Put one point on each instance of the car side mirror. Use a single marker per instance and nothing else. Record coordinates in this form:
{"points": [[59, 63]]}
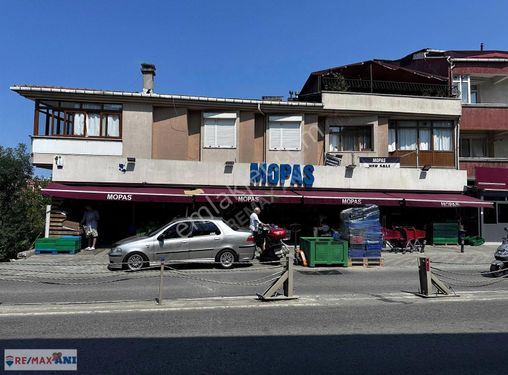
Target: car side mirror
{"points": [[160, 237]]}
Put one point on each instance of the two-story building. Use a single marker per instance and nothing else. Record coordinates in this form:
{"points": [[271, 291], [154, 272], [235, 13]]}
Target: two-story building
{"points": [[143, 157]]}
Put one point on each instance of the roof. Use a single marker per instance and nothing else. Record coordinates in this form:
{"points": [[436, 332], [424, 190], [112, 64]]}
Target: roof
{"points": [[37, 92]]}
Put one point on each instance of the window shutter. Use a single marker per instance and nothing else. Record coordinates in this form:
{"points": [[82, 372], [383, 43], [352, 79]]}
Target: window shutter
{"points": [[209, 138], [275, 136], [291, 136], [225, 131]]}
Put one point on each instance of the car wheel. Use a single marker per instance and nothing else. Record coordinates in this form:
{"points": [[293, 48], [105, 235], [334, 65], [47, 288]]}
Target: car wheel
{"points": [[226, 258], [135, 261]]}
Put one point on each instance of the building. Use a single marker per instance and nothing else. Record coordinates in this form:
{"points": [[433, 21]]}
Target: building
{"points": [[371, 132]]}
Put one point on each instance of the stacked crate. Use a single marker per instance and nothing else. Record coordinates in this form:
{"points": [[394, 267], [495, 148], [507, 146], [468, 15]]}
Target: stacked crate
{"points": [[58, 245], [362, 228]]}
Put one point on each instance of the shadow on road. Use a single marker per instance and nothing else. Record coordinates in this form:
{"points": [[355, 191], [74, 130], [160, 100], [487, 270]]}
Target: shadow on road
{"points": [[335, 354]]}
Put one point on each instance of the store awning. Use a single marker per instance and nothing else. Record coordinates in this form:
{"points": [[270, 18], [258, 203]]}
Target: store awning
{"points": [[440, 200], [492, 178], [246, 195], [348, 198], [117, 193]]}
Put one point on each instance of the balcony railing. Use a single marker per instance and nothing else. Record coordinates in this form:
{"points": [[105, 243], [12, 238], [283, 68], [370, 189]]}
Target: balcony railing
{"points": [[384, 87]]}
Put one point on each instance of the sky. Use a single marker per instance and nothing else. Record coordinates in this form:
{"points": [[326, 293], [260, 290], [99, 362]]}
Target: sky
{"points": [[218, 48]]}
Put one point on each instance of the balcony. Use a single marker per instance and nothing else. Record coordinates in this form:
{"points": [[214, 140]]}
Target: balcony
{"points": [[384, 87], [484, 117], [470, 164]]}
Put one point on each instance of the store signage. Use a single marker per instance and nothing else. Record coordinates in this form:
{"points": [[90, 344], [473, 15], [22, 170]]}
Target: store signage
{"points": [[352, 201], [247, 198], [376, 162], [119, 197], [450, 204], [277, 174]]}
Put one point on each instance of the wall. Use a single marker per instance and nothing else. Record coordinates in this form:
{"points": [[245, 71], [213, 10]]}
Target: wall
{"points": [[170, 133], [414, 105], [194, 138], [84, 169], [492, 92], [246, 137], [482, 117], [137, 130]]}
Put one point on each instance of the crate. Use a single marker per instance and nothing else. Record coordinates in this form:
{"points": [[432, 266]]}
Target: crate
{"points": [[66, 243], [445, 233], [56, 252], [324, 251], [45, 243]]}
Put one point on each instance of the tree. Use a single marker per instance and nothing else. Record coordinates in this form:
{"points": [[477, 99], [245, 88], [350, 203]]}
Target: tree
{"points": [[22, 205]]}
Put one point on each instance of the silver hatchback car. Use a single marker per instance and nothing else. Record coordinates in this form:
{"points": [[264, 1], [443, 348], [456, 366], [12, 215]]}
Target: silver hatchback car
{"points": [[185, 240]]}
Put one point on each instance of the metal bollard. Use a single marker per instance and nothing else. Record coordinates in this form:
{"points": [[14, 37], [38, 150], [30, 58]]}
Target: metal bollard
{"points": [[159, 301]]}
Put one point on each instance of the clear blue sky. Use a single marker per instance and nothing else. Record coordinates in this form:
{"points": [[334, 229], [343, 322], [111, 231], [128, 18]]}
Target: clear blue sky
{"points": [[218, 48]]}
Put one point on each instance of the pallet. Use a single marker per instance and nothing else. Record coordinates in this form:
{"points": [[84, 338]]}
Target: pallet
{"points": [[366, 262], [56, 252]]}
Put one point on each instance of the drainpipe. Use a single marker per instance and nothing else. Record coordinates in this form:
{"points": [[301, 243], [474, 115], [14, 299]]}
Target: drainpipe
{"points": [[264, 132]]}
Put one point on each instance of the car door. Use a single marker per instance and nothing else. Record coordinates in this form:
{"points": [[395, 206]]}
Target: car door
{"points": [[173, 243], [204, 241]]}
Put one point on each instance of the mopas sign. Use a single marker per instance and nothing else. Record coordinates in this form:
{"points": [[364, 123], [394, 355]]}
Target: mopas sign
{"points": [[277, 174]]}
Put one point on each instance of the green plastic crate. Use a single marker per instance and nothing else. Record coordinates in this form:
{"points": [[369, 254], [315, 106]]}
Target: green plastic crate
{"points": [[324, 251], [445, 233]]}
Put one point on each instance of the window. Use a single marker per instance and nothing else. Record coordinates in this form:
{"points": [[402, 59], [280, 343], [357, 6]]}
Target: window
{"points": [[72, 119], [474, 94], [489, 215], [178, 230], [285, 132], [219, 130], [421, 135], [461, 85], [473, 146], [204, 228], [350, 138]]}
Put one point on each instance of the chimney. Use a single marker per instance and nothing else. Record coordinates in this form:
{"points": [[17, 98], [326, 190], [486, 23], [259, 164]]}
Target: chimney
{"points": [[148, 71], [481, 46]]}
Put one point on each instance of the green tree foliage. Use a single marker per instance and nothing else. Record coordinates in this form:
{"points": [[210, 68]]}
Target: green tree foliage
{"points": [[22, 206]]}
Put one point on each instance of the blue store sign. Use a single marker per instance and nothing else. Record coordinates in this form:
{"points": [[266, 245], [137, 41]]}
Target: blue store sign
{"points": [[277, 174]]}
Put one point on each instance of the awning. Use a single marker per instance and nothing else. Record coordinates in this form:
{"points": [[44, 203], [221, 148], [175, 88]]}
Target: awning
{"points": [[117, 193], [440, 200], [348, 198], [245, 195]]}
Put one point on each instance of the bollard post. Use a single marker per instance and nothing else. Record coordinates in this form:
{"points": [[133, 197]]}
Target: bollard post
{"points": [[288, 284], [161, 282], [428, 279]]}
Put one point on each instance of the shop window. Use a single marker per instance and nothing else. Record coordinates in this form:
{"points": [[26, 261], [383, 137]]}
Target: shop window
{"points": [[350, 138], [285, 133], [489, 215], [219, 130], [72, 119], [502, 213]]}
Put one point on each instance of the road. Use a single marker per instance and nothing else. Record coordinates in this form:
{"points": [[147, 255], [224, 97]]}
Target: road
{"points": [[347, 320]]}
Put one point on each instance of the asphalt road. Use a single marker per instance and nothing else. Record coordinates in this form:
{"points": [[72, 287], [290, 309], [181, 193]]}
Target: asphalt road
{"points": [[376, 336], [347, 320]]}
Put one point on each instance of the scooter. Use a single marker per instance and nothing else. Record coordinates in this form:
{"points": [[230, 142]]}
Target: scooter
{"points": [[274, 247], [500, 264]]}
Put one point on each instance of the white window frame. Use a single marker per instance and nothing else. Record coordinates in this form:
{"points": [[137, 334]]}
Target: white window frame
{"points": [[296, 119], [218, 116], [459, 80]]}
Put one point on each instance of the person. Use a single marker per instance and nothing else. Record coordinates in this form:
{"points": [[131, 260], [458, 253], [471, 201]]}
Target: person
{"points": [[255, 226], [90, 223]]}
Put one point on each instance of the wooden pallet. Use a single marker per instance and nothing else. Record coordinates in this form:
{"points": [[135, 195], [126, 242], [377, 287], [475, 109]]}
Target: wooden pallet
{"points": [[56, 252], [366, 262]]}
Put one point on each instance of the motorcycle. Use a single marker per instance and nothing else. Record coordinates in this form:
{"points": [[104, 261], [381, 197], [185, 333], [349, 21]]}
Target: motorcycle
{"points": [[500, 265], [275, 249]]}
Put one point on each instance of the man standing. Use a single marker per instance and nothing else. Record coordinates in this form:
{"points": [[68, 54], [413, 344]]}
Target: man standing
{"points": [[90, 223], [254, 226]]}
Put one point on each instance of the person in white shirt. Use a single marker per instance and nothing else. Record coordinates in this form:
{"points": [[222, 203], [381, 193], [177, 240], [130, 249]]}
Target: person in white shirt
{"points": [[254, 226]]}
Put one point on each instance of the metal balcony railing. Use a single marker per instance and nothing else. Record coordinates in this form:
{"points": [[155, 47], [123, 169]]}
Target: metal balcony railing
{"points": [[384, 87]]}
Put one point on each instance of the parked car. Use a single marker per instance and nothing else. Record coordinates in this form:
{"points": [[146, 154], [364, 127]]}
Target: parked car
{"points": [[186, 240]]}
